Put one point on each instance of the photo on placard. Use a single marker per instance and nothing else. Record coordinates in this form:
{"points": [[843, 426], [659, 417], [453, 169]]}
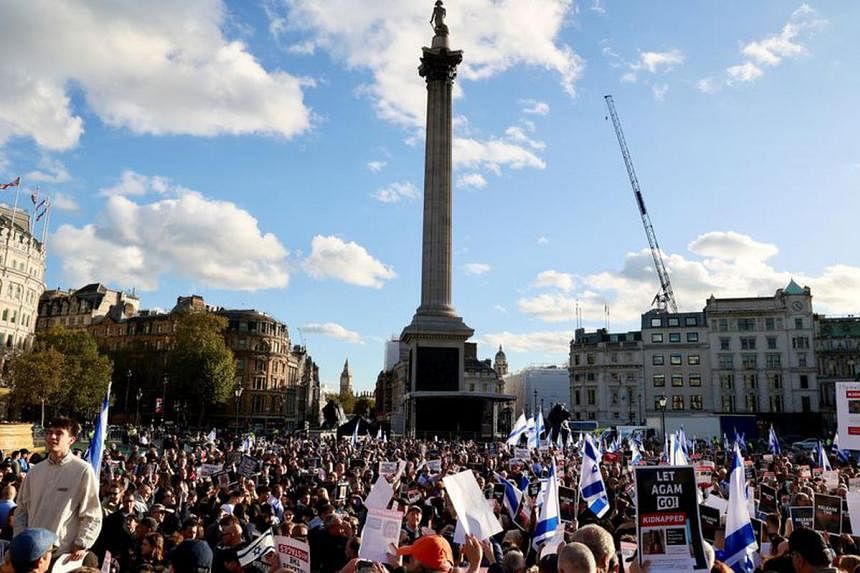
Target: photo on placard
{"points": [[827, 513], [567, 502], [654, 542], [854, 406], [534, 488], [710, 519], [498, 492], [341, 491]]}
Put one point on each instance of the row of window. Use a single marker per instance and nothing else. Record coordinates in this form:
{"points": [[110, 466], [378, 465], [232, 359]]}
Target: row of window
{"points": [[677, 402], [676, 359], [750, 361], [750, 380], [658, 338], [751, 403], [11, 316], [752, 324], [657, 322], [659, 380]]}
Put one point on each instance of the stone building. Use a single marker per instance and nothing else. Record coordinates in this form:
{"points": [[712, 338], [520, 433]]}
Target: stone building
{"points": [[606, 377], [346, 379], [22, 263], [536, 385], [837, 352]]}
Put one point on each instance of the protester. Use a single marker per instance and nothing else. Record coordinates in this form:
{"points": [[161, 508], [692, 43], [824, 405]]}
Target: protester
{"points": [[30, 550]]}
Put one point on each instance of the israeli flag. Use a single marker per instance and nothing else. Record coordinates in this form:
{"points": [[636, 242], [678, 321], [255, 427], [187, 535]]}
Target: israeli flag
{"points": [[740, 440], [773, 442], [513, 496], [354, 440], [256, 549], [823, 462], [550, 513], [521, 428], [636, 453], [740, 544], [591, 486], [212, 436], [842, 455], [676, 451], [538, 430], [682, 439], [97, 445]]}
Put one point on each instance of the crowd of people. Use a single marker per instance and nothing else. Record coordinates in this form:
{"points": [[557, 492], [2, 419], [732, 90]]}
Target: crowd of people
{"points": [[196, 505]]}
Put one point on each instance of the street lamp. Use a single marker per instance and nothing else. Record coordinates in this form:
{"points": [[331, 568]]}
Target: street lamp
{"points": [[137, 413], [238, 394], [661, 404], [163, 398], [127, 386]]}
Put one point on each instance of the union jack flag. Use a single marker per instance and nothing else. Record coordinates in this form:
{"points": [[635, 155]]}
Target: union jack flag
{"points": [[13, 183]]}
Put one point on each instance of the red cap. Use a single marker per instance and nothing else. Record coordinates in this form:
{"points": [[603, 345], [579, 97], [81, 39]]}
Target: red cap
{"points": [[432, 551]]}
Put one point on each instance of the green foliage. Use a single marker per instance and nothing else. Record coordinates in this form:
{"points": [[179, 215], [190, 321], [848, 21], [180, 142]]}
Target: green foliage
{"points": [[365, 407], [200, 365], [65, 369], [346, 401]]}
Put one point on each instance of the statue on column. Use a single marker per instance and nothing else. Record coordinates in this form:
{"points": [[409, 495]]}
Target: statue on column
{"points": [[438, 19]]}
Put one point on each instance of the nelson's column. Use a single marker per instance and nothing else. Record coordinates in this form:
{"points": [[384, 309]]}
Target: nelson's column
{"points": [[436, 401]]}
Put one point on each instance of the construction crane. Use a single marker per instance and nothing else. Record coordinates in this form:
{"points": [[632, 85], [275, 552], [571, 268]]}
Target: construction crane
{"points": [[665, 298]]}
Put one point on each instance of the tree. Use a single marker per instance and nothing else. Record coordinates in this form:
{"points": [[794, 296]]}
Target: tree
{"points": [[365, 407], [200, 365], [346, 401], [65, 369]]}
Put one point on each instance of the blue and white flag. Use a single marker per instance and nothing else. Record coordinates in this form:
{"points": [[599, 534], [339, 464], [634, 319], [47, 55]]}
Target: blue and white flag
{"points": [[740, 543], [212, 436], [726, 445], [740, 439], [635, 453], [842, 455], [538, 430], [677, 457], [513, 499], [550, 513], [591, 486], [823, 462], [521, 428], [354, 440], [682, 439], [773, 442], [256, 549], [97, 445]]}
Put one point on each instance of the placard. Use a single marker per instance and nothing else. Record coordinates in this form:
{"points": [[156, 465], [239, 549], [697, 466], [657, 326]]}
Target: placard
{"points": [[381, 528], [828, 513], [473, 514], [848, 414], [435, 466], [802, 516], [767, 499], [831, 479], [717, 503], [668, 524], [208, 470], [293, 554], [522, 454], [388, 468], [248, 466], [710, 520], [852, 499], [568, 500], [704, 474], [854, 484]]}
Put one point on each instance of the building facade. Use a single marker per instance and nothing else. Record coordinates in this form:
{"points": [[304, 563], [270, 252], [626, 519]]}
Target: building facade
{"points": [[606, 377], [346, 379], [535, 385], [837, 352]]}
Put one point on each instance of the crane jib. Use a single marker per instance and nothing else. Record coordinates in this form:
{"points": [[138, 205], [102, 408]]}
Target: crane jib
{"points": [[641, 203]]}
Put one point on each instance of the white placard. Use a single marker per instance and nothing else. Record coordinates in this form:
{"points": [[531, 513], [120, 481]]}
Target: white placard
{"points": [[852, 498], [435, 466], [293, 554], [848, 414], [831, 479], [471, 506], [387, 468], [717, 503], [380, 494], [381, 529], [206, 470]]}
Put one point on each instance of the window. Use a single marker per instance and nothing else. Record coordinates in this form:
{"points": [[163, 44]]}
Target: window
{"points": [[259, 382], [674, 337], [771, 342], [691, 321], [804, 382], [726, 361], [723, 324], [677, 381], [748, 361], [677, 402], [800, 342], [748, 343], [774, 381], [576, 359], [5, 314], [589, 359], [657, 337], [695, 380], [674, 321], [696, 402], [659, 380], [590, 376], [657, 360], [750, 381], [805, 404], [768, 324], [675, 359], [776, 403], [692, 337], [576, 398], [752, 402], [656, 322], [773, 360], [614, 398], [591, 396], [613, 357], [746, 324], [801, 359], [798, 323], [471, 387], [728, 403], [725, 343], [693, 359]]}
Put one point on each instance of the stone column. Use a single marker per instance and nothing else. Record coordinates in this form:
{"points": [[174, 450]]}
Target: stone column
{"points": [[439, 68]]}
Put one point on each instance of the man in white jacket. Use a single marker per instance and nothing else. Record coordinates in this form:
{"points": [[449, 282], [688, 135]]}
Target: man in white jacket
{"points": [[61, 494]]}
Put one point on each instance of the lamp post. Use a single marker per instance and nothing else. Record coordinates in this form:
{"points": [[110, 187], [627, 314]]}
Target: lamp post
{"points": [[238, 394], [127, 386], [163, 398], [137, 412], [661, 403]]}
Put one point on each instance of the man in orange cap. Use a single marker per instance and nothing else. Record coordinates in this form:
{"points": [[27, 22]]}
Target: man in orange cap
{"points": [[430, 553]]}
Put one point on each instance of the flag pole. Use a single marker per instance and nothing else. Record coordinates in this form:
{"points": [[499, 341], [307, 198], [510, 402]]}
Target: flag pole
{"points": [[45, 226], [12, 226]]}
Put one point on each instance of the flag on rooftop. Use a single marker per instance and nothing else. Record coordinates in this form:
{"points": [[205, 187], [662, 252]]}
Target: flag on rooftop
{"points": [[14, 183]]}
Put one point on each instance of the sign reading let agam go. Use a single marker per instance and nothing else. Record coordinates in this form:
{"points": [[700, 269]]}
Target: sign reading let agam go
{"points": [[668, 528]]}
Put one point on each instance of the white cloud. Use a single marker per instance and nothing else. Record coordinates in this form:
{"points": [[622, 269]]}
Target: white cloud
{"points": [[773, 49], [628, 78], [476, 268], [208, 241], [722, 263], [169, 70], [549, 342], [659, 91], [707, 85], [597, 6], [396, 192], [500, 308], [517, 134], [63, 202], [331, 257], [535, 107], [473, 180], [492, 36], [50, 171], [654, 63], [133, 184], [542, 241], [492, 155], [334, 330], [554, 279], [377, 165], [303, 48]]}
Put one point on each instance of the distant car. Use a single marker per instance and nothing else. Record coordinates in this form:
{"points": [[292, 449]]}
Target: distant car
{"points": [[806, 445]]}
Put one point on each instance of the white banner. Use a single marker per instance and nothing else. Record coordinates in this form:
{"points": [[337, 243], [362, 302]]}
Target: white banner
{"points": [[293, 554], [848, 414]]}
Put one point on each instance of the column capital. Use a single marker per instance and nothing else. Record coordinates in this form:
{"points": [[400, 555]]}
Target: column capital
{"points": [[439, 64]]}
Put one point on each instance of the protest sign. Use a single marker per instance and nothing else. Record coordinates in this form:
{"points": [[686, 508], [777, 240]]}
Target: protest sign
{"points": [[388, 468], [828, 513], [717, 503], [854, 484], [533, 489], [749, 470], [248, 466], [848, 414], [472, 511], [381, 528], [801, 516], [293, 554], [522, 453], [207, 470], [852, 498], [710, 519], [831, 479], [341, 490], [498, 492], [380, 494], [222, 478], [628, 550], [704, 473], [435, 466], [767, 499], [668, 525], [846, 519], [232, 459], [568, 499]]}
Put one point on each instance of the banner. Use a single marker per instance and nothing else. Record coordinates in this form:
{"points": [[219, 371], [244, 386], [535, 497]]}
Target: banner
{"points": [[828, 513], [293, 554], [668, 527], [848, 414], [381, 528]]}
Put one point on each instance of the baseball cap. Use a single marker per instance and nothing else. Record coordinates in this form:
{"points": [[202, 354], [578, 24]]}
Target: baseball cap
{"points": [[192, 555], [432, 551], [30, 545], [810, 545]]}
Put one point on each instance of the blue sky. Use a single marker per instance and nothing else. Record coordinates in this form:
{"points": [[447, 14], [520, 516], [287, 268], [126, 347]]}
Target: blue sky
{"points": [[269, 154]]}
